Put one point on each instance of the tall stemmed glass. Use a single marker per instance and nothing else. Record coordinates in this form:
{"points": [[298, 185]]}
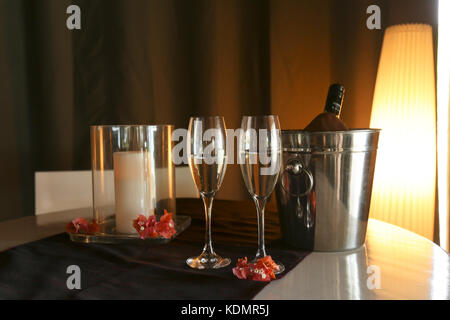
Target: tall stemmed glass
{"points": [[207, 155], [260, 161]]}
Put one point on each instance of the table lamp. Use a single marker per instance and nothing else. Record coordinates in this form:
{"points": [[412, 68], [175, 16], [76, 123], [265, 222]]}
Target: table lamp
{"points": [[404, 107]]}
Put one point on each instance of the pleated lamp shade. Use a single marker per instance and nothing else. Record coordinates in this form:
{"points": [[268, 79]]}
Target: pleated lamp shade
{"points": [[404, 107]]}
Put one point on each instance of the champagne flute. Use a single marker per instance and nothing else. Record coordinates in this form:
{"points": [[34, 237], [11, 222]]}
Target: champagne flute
{"points": [[260, 162], [207, 154]]}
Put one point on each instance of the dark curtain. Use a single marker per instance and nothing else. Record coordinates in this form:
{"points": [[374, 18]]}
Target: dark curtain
{"points": [[161, 61], [139, 62]]}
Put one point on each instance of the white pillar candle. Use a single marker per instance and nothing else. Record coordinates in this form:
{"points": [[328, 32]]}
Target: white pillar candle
{"points": [[132, 187]]}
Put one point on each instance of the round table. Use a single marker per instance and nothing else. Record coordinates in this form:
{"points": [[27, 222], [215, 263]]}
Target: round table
{"points": [[393, 264], [408, 266]]}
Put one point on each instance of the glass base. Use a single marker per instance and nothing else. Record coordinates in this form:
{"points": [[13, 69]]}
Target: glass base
{"points": [[282, 268], [208, 261]]}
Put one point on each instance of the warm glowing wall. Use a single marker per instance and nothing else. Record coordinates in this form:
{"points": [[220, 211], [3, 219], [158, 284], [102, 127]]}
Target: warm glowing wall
{"points": [[404, 106], [443, 106]]}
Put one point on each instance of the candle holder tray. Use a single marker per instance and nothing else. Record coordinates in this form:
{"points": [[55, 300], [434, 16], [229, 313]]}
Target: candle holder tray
{"points": [[109, 234]]}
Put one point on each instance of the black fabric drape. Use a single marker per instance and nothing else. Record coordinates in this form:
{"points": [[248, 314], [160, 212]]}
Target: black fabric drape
{"points": [[144, 271]]}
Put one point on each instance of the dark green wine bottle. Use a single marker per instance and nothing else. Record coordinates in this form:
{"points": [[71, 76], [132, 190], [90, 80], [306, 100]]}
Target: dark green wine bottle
{"points": [[329, 119]]}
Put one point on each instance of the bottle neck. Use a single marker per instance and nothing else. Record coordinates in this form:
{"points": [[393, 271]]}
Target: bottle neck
{"points": [[333, 108], [334, 99]]}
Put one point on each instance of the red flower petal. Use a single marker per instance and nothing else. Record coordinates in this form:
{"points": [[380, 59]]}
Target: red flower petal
{"points": [[151, 221], [262, 270], [166, 226], [70, 228], [93, 227], [151, 228], [166, 217], [146, 227], [148, 233], [139, 223], [260, 276], [242, 262], [242, 269], [78, 225], [241, 273], [267, 260], [81, 225]]}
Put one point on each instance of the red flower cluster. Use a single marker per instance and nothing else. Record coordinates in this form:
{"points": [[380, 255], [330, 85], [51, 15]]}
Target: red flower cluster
{"points": [[261, 270], [145, 227], [81, 225], [150, 228]]}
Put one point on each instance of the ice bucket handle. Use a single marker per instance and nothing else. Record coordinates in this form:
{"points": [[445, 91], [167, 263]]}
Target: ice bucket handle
{"points": [[296, 167]]}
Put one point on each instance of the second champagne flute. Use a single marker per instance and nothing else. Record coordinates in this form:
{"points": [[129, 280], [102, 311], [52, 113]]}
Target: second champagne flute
{"points": [[207, 155], [260, 161]]}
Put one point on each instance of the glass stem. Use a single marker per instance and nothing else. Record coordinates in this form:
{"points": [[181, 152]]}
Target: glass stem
{"points": [[208, 201], [260, 205]]}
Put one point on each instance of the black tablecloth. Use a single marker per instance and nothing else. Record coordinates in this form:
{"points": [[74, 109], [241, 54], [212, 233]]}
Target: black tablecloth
{"points": [[38, 270]]}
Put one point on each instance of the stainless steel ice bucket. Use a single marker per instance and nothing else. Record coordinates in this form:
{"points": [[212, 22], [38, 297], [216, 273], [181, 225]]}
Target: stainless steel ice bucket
{"points": [[324, 189]]}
